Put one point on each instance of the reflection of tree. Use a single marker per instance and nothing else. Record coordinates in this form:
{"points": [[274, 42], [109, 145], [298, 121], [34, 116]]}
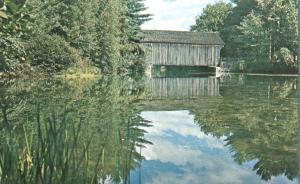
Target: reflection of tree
{"points": [[259, 120], [12, 101], [70, 132], [112, 107]]}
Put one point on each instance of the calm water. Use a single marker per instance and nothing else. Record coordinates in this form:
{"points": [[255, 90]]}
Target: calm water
{"points": [[185, 130]]}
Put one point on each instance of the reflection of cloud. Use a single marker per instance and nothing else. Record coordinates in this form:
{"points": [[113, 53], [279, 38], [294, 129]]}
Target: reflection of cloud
{"points": [[174, 14], [192, 177], [165, 152], [282, 180], [182, 154], [180, 122], [227, 176]]}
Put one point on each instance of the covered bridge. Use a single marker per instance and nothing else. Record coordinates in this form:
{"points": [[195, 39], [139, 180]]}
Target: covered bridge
{"points": [[182, 48]]}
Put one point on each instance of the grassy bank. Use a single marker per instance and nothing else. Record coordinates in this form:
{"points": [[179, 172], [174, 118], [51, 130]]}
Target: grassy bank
{"points": [[259, 67]]}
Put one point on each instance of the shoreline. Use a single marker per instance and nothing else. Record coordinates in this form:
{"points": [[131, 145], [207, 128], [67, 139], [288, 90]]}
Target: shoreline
{"points": [[93, 76], [266, 74]]}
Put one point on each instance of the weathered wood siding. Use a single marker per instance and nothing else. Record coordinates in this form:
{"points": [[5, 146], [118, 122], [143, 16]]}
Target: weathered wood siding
{"points": [[183, 87], [183, 54]]}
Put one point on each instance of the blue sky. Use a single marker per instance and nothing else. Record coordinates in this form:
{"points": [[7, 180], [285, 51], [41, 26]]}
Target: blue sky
{"points": [[174, 14]]}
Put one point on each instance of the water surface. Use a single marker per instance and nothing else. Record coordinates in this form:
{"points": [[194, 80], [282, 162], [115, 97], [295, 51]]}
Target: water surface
{"points": [[234, 129]]}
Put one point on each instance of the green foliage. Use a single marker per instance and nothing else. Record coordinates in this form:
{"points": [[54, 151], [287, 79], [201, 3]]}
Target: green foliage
{"points": [[103, 33], [286, 56], [70, 131], [213, 17], [258, 117], [106, 53], [255, 30], [13, 19], [277, 28], [133, 55], [254, 34], [262, 66], [11, 54], [13, 27], [279, 67], [50, 53], [240, 10], [132, 19]]}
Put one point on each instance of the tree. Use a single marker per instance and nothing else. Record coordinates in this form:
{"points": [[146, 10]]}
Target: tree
{"points": [[102, 33], [213, 17], [254, 34], [262, 129], [105, 53], [234, 44], [260, 30], [131, 20], [13, 27], [275, 27]]}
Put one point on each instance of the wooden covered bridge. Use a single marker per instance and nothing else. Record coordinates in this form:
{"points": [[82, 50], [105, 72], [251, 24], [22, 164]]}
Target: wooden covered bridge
{"points": [[182, 48]]}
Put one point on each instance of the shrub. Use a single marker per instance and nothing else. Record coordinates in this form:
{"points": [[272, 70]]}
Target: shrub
{"points": [[286, 56], [51, 53], [11, 54], [273, 68]]}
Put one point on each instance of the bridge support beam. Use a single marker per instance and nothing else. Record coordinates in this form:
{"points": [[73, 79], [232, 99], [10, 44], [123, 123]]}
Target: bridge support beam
{"points": [[171, 71], [148, 70]]}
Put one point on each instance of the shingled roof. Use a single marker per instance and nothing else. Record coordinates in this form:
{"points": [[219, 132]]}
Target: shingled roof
{"points": [[181, 37]]}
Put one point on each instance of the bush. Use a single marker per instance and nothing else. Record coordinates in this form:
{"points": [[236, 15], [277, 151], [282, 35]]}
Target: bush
{"points": [[50, 53], [261, 65], [286, 56], [272, 68], [11, 54]]}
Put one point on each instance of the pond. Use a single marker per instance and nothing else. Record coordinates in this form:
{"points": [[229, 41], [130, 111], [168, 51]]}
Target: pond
{"points": [[185, 130]]}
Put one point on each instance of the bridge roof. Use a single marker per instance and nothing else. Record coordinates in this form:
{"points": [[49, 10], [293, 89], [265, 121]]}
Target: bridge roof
{"points": [[181, 37]]}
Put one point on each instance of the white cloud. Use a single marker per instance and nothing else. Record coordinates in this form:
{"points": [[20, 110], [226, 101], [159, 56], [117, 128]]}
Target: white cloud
{"points": [[174, 14]]}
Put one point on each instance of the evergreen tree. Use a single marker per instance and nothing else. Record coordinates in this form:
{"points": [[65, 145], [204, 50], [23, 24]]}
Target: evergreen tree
{"points": [[230, 34], [105, 54], [131, 20]]}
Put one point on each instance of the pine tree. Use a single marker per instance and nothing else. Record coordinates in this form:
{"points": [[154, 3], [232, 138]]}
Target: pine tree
{"points": [[131, 20], [105, 54]]}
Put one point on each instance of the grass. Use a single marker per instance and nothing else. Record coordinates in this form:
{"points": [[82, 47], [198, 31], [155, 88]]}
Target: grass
{"points": [[81, 69], [52, 152], [68, 131], [261, 67], [270, 68]]}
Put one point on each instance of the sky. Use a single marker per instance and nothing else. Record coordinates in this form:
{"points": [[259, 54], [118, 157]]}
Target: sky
{"points": [[174, 14]]}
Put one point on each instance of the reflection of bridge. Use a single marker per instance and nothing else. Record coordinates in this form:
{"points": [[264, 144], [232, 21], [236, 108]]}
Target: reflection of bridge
{"points": [[182, 48], [183, 87]]}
